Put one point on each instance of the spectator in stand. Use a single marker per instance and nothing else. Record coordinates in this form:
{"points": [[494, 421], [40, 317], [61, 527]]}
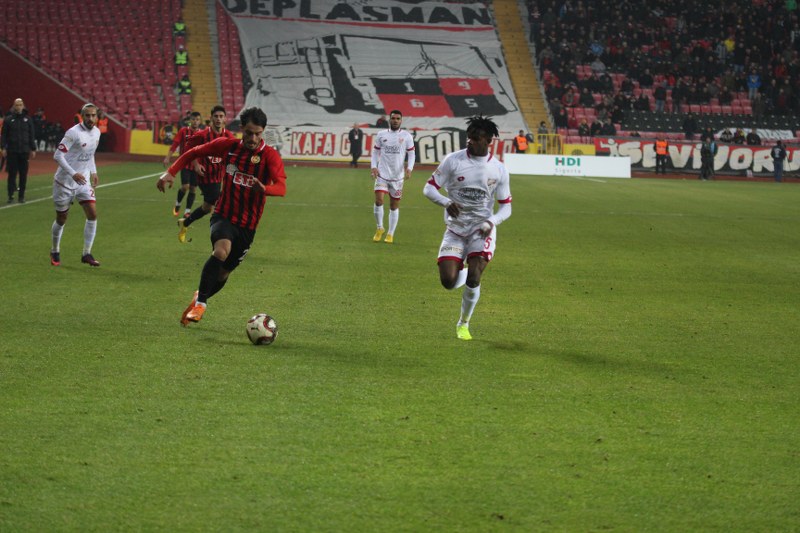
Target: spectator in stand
{"points": [[642, 103], [753, 139], [597, 66], [660, 96], [738, 136], [562, 119], [678, 97], [753, 83], [690, 126], [584, 131], [626, 87], [571, 97], [707, 134], [586, 100], [725, 97], [646, 79], [382, 123], [596, 127], [778, 154], [18, 147], [726, 136], [608, 130], [542, 130]]}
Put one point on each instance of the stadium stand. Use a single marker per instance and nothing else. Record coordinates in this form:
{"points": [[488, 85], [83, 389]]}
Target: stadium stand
{"points": [[702, 55], [230, 62], [130, 46]]}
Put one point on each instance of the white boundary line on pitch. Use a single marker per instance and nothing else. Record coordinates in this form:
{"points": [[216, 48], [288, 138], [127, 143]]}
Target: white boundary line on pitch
{"points": [[137, 178]]}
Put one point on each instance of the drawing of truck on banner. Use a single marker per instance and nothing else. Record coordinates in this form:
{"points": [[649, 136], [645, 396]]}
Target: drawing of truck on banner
{"points": [[341, 72]]}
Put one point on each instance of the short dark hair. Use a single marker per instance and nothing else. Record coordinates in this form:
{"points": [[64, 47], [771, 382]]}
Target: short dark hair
{"points": [[253, 115], [196, 114], [484, 124], [395, 112], [218, 108]]}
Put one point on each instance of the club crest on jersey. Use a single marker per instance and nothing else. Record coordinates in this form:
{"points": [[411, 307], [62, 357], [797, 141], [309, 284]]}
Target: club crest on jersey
{"points": [[256, 159], [245, 180], [460, 178]]}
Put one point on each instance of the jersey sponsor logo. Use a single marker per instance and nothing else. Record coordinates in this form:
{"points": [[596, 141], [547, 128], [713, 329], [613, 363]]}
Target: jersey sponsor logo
{"points": [[471, 194], [391, 149], [214, 160], [245, 180]]}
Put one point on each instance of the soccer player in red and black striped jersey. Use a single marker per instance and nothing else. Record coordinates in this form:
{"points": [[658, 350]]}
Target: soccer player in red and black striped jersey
{"points": [[210, 172], [252, 171], [188, 176]]}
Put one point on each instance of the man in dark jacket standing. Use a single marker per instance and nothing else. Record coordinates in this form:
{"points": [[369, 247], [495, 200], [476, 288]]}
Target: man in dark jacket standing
{"points": [[356, 138], [19, 145]]}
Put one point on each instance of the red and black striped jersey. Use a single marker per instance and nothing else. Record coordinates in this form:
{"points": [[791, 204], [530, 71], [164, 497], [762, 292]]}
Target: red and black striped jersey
{"points": [[213, 166], [241, 200]]}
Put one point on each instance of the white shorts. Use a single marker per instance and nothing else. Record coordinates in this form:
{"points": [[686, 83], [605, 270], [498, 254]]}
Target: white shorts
{"points": [[457, 248], [394, 187], [63, 197]]}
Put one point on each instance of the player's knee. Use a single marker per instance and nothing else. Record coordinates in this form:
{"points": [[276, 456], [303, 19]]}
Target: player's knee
{"points": [[448, 282]]}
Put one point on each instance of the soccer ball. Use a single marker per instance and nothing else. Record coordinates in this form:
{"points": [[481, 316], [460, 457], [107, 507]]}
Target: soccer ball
{"points": [[262, 329]]}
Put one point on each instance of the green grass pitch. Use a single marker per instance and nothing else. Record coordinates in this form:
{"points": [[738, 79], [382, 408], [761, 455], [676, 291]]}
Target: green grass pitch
{"points": [[636, 365]]}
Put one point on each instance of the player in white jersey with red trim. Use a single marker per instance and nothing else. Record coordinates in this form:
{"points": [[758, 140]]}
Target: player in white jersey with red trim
{"points": [[75, 179], [390, 170], [473, 179]]}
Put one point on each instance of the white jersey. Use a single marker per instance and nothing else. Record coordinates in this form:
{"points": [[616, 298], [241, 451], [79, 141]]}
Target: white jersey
{"points": [[389, 154], [75, 154], [474, 183]]}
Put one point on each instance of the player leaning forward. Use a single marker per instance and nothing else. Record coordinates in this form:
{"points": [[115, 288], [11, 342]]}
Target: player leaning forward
{"points": [[253, 171], [473, 179], [74, 180]]}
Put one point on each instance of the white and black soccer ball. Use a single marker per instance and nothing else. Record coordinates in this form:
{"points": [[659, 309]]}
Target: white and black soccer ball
{"points": [[262, 329]]}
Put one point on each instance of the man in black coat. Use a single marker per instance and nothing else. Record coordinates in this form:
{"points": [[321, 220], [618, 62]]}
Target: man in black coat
{"points": [[18, 145], [356, 138]]}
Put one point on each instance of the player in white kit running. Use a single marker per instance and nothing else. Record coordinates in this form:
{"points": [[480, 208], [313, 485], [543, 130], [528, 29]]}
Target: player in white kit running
{"points": [[473, 179], [390, 170], [74, 180]]}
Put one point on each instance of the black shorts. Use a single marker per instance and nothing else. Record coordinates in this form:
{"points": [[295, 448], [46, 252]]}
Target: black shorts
{"points": [[210, 192], [188, 177], [241, 239]]}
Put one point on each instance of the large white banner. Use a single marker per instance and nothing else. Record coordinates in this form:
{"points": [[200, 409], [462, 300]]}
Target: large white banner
{"points": [[333, 63]]}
